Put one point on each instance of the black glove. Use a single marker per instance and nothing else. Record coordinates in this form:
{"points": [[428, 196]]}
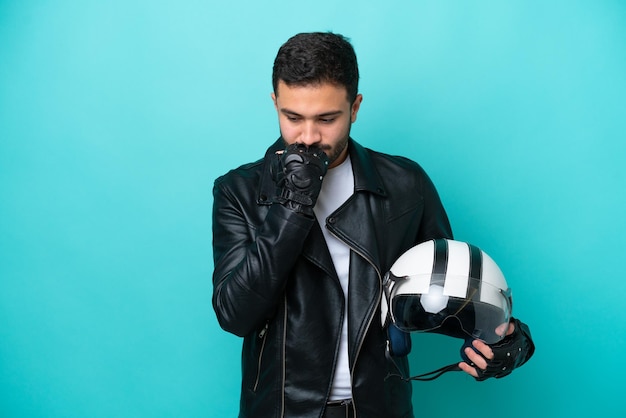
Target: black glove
{"points": [[298, 173], [508, 354]]}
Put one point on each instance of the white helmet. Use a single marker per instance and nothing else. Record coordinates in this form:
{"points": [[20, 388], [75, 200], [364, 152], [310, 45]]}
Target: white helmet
{"points": [[442, 279]]}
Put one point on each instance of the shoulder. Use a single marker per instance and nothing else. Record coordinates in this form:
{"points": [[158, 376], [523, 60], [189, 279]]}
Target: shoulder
{"points": [[238, 185], [245, 173], [397, 161], [249, 173], [395, 167]]}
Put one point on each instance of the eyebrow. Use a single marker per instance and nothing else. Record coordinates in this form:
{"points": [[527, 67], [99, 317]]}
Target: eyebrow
{"points": [[321, 115]]}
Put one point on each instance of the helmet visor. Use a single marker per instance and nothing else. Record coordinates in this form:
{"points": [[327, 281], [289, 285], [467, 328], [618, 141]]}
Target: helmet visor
{"points": [[453, 305]]}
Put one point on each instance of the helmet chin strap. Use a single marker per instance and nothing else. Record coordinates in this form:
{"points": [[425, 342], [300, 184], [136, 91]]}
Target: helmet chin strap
{"points": [[399, 345], [424, 377]]}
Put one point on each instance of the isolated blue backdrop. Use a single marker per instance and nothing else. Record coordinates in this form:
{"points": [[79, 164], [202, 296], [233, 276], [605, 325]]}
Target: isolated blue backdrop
{"points": [[116, 117]]}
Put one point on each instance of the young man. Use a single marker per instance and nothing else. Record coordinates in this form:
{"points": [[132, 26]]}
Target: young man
{"points": [[302, 239]]}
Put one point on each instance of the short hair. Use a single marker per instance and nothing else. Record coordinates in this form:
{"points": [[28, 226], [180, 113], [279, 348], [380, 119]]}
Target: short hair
{"points": [[317, 57]]}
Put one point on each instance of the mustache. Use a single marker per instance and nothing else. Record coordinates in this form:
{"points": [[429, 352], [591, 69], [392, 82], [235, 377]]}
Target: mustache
{"points": [[323, 147]]}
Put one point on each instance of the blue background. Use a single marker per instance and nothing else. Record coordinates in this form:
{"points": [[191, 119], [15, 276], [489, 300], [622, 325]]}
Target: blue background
{"points": [[116, 117]]}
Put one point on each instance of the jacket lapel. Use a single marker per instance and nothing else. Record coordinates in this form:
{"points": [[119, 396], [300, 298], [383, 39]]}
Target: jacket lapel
{"points": [[358, 223], [316, 251]]}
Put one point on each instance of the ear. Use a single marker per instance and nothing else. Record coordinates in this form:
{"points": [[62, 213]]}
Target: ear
{"points": [[355, 107], [273, 96]]}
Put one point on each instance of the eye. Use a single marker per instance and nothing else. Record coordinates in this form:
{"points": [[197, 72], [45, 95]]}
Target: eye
{"points": [[327, 120], [292, 118]]}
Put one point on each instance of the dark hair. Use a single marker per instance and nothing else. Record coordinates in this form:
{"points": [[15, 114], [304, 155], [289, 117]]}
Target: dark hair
{"points": [[318, 57]]}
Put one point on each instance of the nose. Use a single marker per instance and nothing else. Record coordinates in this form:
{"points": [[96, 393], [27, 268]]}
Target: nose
{"points": [[310, 135]]}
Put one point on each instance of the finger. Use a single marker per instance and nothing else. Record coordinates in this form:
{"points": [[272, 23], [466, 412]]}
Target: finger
{"points": [[484, 349], [511, 328], [468, 369], [475, 358]]}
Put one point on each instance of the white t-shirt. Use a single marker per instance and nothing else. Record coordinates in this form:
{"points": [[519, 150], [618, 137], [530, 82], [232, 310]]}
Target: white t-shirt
{"points": [[337, 187]]}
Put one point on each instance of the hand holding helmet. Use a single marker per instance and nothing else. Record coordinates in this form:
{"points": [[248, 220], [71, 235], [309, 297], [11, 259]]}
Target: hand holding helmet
{"points": [[483, 361]]}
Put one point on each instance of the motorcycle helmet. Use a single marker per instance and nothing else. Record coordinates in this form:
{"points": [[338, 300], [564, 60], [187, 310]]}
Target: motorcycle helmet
{"points": [[447, 287]]}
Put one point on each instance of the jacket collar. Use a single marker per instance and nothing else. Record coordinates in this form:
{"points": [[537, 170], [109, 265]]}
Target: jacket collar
{"points": [[366, 176]]}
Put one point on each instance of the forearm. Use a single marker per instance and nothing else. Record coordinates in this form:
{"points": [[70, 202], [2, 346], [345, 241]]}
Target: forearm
{"points": [[252, 265]]}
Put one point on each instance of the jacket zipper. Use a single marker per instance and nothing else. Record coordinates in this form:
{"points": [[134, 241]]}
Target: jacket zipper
{"points": [[263, 336], [284, 348], [369, 321]]}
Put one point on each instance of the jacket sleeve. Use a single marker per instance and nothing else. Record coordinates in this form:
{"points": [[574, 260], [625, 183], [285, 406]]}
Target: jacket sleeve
{"points": [[435, 223], [251, 264], [528, 345]]}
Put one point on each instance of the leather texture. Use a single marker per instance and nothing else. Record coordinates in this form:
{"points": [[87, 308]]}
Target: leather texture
{"points": [[275, 284]]}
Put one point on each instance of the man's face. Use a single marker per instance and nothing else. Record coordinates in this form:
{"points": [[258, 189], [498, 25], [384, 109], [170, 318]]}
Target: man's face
{"points": [[318, 114]]}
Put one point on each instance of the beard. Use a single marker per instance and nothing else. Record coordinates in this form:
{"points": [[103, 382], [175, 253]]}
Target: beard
{"points": [[333, 153]]}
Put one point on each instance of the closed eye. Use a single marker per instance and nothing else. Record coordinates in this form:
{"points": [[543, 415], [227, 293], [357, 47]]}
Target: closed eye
{"points": [[327, 120], [292, 117]]}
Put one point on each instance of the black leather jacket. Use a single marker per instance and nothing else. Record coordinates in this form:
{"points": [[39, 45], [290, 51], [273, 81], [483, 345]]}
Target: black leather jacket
{"points": [[275, 285]]}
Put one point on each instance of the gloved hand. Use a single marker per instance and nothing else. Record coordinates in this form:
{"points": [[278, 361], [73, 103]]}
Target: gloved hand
{"points": [[298, 173], [508, 354]]}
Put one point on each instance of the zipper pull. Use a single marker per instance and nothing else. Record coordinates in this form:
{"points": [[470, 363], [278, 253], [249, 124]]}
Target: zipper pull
{"points": [[264, 330]]}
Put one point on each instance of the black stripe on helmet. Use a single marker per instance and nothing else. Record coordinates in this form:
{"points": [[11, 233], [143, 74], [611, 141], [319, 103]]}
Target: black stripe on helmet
{"points": [[475, 270], [440, 258]]}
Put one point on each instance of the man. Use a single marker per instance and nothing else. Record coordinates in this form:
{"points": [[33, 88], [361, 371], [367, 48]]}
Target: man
{"points": [[302, 239]]}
